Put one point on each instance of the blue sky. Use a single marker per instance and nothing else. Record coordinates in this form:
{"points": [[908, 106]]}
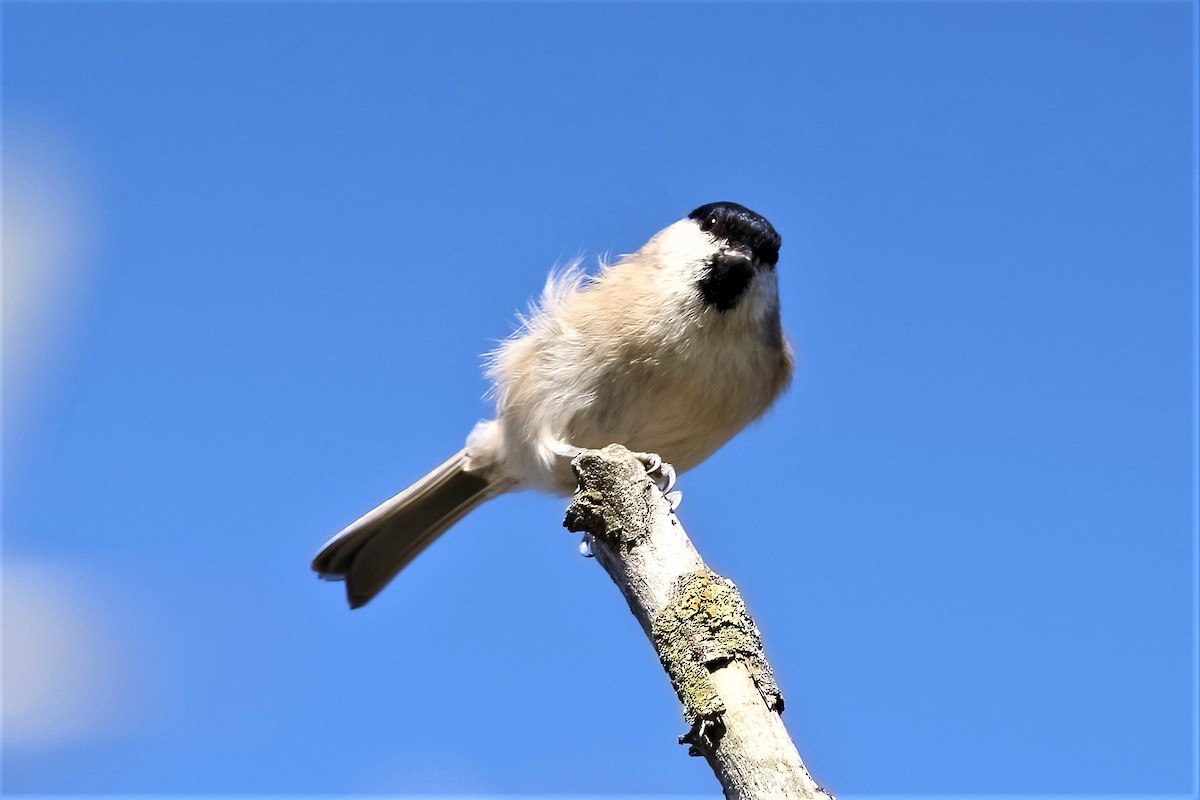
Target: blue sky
{"points": [[252, 255]]}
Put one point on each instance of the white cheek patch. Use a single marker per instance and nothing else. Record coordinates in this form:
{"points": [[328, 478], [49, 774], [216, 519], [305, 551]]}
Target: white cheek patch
{"points": [[683, 243]]}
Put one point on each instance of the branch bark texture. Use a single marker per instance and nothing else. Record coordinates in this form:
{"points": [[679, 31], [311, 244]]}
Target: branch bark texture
{"points": [[705, 638]]}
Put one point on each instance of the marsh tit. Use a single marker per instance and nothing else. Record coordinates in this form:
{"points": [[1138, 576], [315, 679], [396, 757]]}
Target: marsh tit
{"points": [[670, 351]]}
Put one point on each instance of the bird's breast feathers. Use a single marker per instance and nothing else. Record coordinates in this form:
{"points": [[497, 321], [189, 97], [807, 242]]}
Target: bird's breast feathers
{"points": [[636, 356]]}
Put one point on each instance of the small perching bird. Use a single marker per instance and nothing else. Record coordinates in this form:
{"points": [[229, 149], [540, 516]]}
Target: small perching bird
{"points": [[670, 351]]}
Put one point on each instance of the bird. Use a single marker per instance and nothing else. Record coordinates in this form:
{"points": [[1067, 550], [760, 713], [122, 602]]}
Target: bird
{"points": [[669, 351]]}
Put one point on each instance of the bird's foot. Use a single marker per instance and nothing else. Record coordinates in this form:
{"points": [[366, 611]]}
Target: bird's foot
{"points": [[662, 473]]}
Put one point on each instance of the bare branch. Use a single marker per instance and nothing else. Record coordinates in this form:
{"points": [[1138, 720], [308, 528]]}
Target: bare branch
{"points": [[705, 638]]}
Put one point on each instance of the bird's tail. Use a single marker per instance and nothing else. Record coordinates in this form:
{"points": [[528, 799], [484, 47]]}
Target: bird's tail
{"points": [[372, 550]]}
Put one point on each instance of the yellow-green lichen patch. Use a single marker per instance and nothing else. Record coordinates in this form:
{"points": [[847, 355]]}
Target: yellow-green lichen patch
{"points": [[705, 625]]}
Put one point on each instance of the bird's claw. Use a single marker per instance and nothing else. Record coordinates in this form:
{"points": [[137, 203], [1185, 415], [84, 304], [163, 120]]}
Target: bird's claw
{"points": [[662, 473], [659, 471]]}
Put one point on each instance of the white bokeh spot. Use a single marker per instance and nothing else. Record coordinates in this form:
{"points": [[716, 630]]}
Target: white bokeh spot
{"points": [[63, 673]]}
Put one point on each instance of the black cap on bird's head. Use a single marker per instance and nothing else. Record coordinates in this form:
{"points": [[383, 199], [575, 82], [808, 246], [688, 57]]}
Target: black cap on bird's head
{"points": [[740, 225], [746, 245]]}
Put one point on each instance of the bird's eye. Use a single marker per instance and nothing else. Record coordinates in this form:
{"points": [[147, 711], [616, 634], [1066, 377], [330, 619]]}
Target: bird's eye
{"points": [[712, 221]]}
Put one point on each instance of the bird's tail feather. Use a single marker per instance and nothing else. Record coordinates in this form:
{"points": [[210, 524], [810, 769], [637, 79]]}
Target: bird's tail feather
{"points": [[370, 552]]}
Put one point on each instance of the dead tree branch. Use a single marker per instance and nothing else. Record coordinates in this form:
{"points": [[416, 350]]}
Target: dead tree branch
{"points": [[705, 638]]}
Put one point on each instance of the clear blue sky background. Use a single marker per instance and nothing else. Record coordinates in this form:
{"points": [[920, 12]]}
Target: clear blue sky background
{"points": [[253, 255]]}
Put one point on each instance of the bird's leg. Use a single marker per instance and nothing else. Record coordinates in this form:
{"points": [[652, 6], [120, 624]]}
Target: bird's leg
{"points": [[660, 471], [663, 475]]}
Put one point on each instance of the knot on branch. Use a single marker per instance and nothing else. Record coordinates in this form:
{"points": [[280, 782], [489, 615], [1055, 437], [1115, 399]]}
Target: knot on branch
{"points": [[615, 499], [704, 626]]}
